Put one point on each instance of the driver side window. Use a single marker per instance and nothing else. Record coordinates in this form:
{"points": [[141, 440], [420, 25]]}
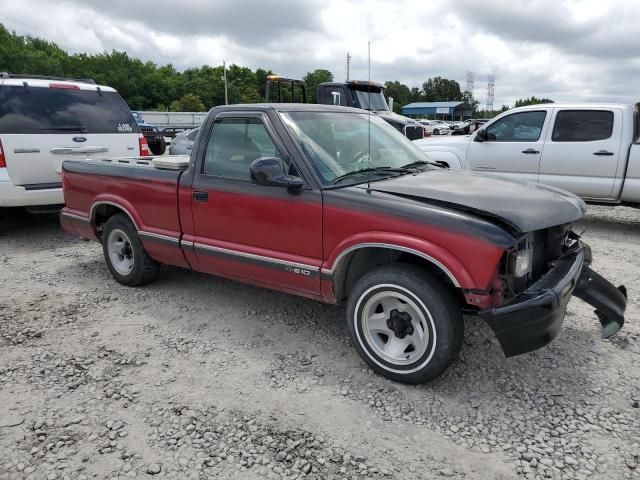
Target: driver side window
{"points": [[519, 127], [234, 144]]}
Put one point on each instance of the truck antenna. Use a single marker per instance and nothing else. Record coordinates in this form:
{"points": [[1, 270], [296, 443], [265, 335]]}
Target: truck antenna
{"points": [[369, 101]]}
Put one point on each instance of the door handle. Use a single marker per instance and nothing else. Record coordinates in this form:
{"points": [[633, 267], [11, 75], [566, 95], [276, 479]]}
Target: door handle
{"points": [[531, 151], [603, 153], [200, 196], [78, 150]]}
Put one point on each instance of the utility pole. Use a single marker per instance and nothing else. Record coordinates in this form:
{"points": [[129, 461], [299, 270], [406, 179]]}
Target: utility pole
{"points": [[224, 77], [348, 63]]}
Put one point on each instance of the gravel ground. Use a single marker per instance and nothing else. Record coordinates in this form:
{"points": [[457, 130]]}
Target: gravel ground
{"points": [[199, 377]]}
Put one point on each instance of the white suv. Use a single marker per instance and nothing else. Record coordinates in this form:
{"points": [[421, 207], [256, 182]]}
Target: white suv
{"points": [[45, 120]]}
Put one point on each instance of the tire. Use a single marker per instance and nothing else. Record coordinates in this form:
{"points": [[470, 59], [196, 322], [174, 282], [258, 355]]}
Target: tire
{"points": [[124, 254], [158, 146], [436, 132], [402, 305]]}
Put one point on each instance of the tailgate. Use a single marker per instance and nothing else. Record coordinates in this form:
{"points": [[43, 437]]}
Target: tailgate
{"points": [[37, 159]]}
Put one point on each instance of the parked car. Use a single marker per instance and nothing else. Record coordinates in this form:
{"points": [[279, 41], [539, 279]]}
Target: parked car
{"points": [[172, 132], [461, 128], [155, 137], [434, 127], [332, 204], [44, 120], [591, 150], [182, 144]]}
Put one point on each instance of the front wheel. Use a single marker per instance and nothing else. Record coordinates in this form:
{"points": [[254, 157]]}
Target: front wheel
{"points": [[404, 323], [124, 253], [436, 132]]}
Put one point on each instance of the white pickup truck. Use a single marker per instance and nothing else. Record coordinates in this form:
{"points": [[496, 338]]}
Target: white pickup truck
{"points": [[592, 150]]}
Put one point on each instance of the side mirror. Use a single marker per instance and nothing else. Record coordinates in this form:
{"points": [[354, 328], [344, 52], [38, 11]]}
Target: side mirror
{"points": [[271, 172], [336, 98], [481, 136]]}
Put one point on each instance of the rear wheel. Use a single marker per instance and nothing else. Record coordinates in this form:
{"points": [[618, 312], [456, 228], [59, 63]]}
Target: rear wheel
{"points": [[124, 253], [405, 323]]}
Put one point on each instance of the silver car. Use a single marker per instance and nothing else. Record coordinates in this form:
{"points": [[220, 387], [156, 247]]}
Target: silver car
{"points": [[183, 142]]}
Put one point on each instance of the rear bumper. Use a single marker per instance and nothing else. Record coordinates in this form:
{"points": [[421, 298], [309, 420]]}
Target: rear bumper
{"points": [[15, 196], [534, 318]]}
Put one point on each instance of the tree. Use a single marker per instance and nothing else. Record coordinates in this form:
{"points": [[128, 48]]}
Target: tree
{"points": [[440, 89], [523, 102], [190, 103], [400, 93], [313, 79], [467, 97]]}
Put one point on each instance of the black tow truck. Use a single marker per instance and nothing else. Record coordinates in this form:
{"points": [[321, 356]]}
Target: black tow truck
{"points": [[361, 94]]}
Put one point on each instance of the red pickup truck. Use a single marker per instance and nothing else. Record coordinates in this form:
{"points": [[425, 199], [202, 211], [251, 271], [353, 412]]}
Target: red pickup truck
{"points": [[333, 204]]}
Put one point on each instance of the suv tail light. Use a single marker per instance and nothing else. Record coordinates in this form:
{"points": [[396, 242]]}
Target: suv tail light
{"points": [[3, 161], [144, 146]]}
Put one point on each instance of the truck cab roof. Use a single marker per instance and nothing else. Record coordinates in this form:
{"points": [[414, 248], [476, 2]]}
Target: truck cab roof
{"points": [[290, 107]]}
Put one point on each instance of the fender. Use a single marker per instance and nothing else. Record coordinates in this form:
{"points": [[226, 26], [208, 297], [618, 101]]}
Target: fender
{"points": [[121, 203], [437, 255]]}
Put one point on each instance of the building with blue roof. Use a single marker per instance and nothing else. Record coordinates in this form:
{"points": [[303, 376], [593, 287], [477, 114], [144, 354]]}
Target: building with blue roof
{"points": [[440, 110]]}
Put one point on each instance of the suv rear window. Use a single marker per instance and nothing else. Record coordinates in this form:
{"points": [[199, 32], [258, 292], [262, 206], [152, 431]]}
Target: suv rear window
{"points": [[52, 110], [583, 125]]}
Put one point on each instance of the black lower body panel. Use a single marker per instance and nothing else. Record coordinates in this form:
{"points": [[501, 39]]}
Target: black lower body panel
{"points": [[609, 302], [534, 318]]}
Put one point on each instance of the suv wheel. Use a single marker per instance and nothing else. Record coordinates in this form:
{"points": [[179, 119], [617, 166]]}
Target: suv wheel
{"points": [[405, 323], [126, 258]]}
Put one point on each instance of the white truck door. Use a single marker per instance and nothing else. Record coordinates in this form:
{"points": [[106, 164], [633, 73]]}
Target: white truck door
{"points": [[513, 146], [582, 152]]}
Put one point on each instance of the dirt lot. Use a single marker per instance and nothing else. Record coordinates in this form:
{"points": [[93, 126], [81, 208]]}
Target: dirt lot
{"points": [[199, 377]]}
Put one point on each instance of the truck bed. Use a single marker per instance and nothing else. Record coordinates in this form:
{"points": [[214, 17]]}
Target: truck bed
{"points": [[150, 184]]}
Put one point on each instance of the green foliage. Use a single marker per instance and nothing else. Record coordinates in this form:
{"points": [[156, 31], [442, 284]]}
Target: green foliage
{"points": [[440, 89], [401, 94], [191, 103], [144, 85], [313, 79], [467, 97], [523, 102]]}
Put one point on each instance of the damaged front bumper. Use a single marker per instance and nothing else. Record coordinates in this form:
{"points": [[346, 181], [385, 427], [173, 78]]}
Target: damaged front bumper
{"points": [[532, 319]]}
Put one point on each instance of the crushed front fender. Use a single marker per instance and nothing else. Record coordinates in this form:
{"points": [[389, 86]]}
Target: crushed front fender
{"points": [[532, 319]]}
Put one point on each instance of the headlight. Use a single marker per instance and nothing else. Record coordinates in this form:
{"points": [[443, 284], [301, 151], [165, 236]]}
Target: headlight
{"points": [[521, 263]]}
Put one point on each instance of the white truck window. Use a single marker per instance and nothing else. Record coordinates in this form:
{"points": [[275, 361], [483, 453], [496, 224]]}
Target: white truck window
{"points": [[518, 127], [583, 125]]}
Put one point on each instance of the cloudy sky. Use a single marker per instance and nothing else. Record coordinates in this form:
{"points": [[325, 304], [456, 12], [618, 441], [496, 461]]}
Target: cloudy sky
{"points": [[567, 50]]}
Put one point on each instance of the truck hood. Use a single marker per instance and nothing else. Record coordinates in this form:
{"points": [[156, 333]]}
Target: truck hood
{"points": [[442, 141], [523, 207]]}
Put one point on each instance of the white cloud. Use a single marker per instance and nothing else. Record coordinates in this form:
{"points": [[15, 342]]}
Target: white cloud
{"points": [[561, 49]]}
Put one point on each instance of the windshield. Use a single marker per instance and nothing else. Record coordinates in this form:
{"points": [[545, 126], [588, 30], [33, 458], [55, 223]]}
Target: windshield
{"points": [[338, 144], [371, 101]]}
